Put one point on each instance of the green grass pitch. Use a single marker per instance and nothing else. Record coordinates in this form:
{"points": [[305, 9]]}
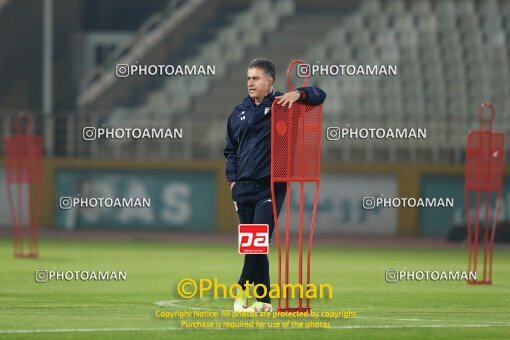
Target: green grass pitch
{"points": [[87, 309]]}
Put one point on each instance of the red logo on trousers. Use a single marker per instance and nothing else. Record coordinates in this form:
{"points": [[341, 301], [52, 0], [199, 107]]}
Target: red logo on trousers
{"points": [[253, 239]]}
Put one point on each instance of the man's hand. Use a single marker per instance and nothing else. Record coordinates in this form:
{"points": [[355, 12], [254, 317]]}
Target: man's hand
{"points": [[288, 98], [232, 185]]}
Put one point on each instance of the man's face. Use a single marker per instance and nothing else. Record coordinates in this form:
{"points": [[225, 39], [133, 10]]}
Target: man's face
{"points": [[259, 84]]}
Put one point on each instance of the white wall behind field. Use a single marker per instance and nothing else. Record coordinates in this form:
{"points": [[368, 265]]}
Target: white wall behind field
{"points": [[340, 207]]}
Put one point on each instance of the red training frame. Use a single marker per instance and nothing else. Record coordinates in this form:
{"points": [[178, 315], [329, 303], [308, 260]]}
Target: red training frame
{"points": [[484, 173], [23, 164], [288, 164]]}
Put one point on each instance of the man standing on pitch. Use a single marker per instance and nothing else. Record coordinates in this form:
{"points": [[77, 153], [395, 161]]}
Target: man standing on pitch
{"points": [[248, 154]]}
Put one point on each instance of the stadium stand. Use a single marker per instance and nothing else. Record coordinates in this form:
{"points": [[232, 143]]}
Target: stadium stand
{"points": [[450, 55], [446, 68], [228, 48]]}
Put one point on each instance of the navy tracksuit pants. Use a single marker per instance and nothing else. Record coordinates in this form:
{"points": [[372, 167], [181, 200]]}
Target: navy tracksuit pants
{"points": [[253, 205]]}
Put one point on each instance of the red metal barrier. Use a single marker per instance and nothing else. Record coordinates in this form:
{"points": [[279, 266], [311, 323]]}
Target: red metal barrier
{"points": [[295, 157], [23, 164], [484, 174]]}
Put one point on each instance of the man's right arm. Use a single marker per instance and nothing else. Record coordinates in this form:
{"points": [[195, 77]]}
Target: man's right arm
{"points": [[230, 153]]}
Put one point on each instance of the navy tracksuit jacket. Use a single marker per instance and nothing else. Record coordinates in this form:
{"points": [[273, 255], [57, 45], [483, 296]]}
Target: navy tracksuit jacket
{"points": [[248, 148]]}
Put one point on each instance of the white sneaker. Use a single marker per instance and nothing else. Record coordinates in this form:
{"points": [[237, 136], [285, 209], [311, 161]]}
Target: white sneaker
{"points": [[258, 307], [241, 301]]}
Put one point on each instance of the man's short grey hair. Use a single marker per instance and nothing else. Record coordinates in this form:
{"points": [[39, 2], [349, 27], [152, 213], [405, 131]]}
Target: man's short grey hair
{"points": [[265, 65]]}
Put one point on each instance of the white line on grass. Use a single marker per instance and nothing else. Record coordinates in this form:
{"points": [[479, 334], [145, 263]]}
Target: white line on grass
{"points": [[82, 330], [418, 326], [174, 303], [161, 329], [428, 320]]}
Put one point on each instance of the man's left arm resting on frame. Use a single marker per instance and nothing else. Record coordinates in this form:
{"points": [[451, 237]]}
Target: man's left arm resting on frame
{"points": [[312, 95]]}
